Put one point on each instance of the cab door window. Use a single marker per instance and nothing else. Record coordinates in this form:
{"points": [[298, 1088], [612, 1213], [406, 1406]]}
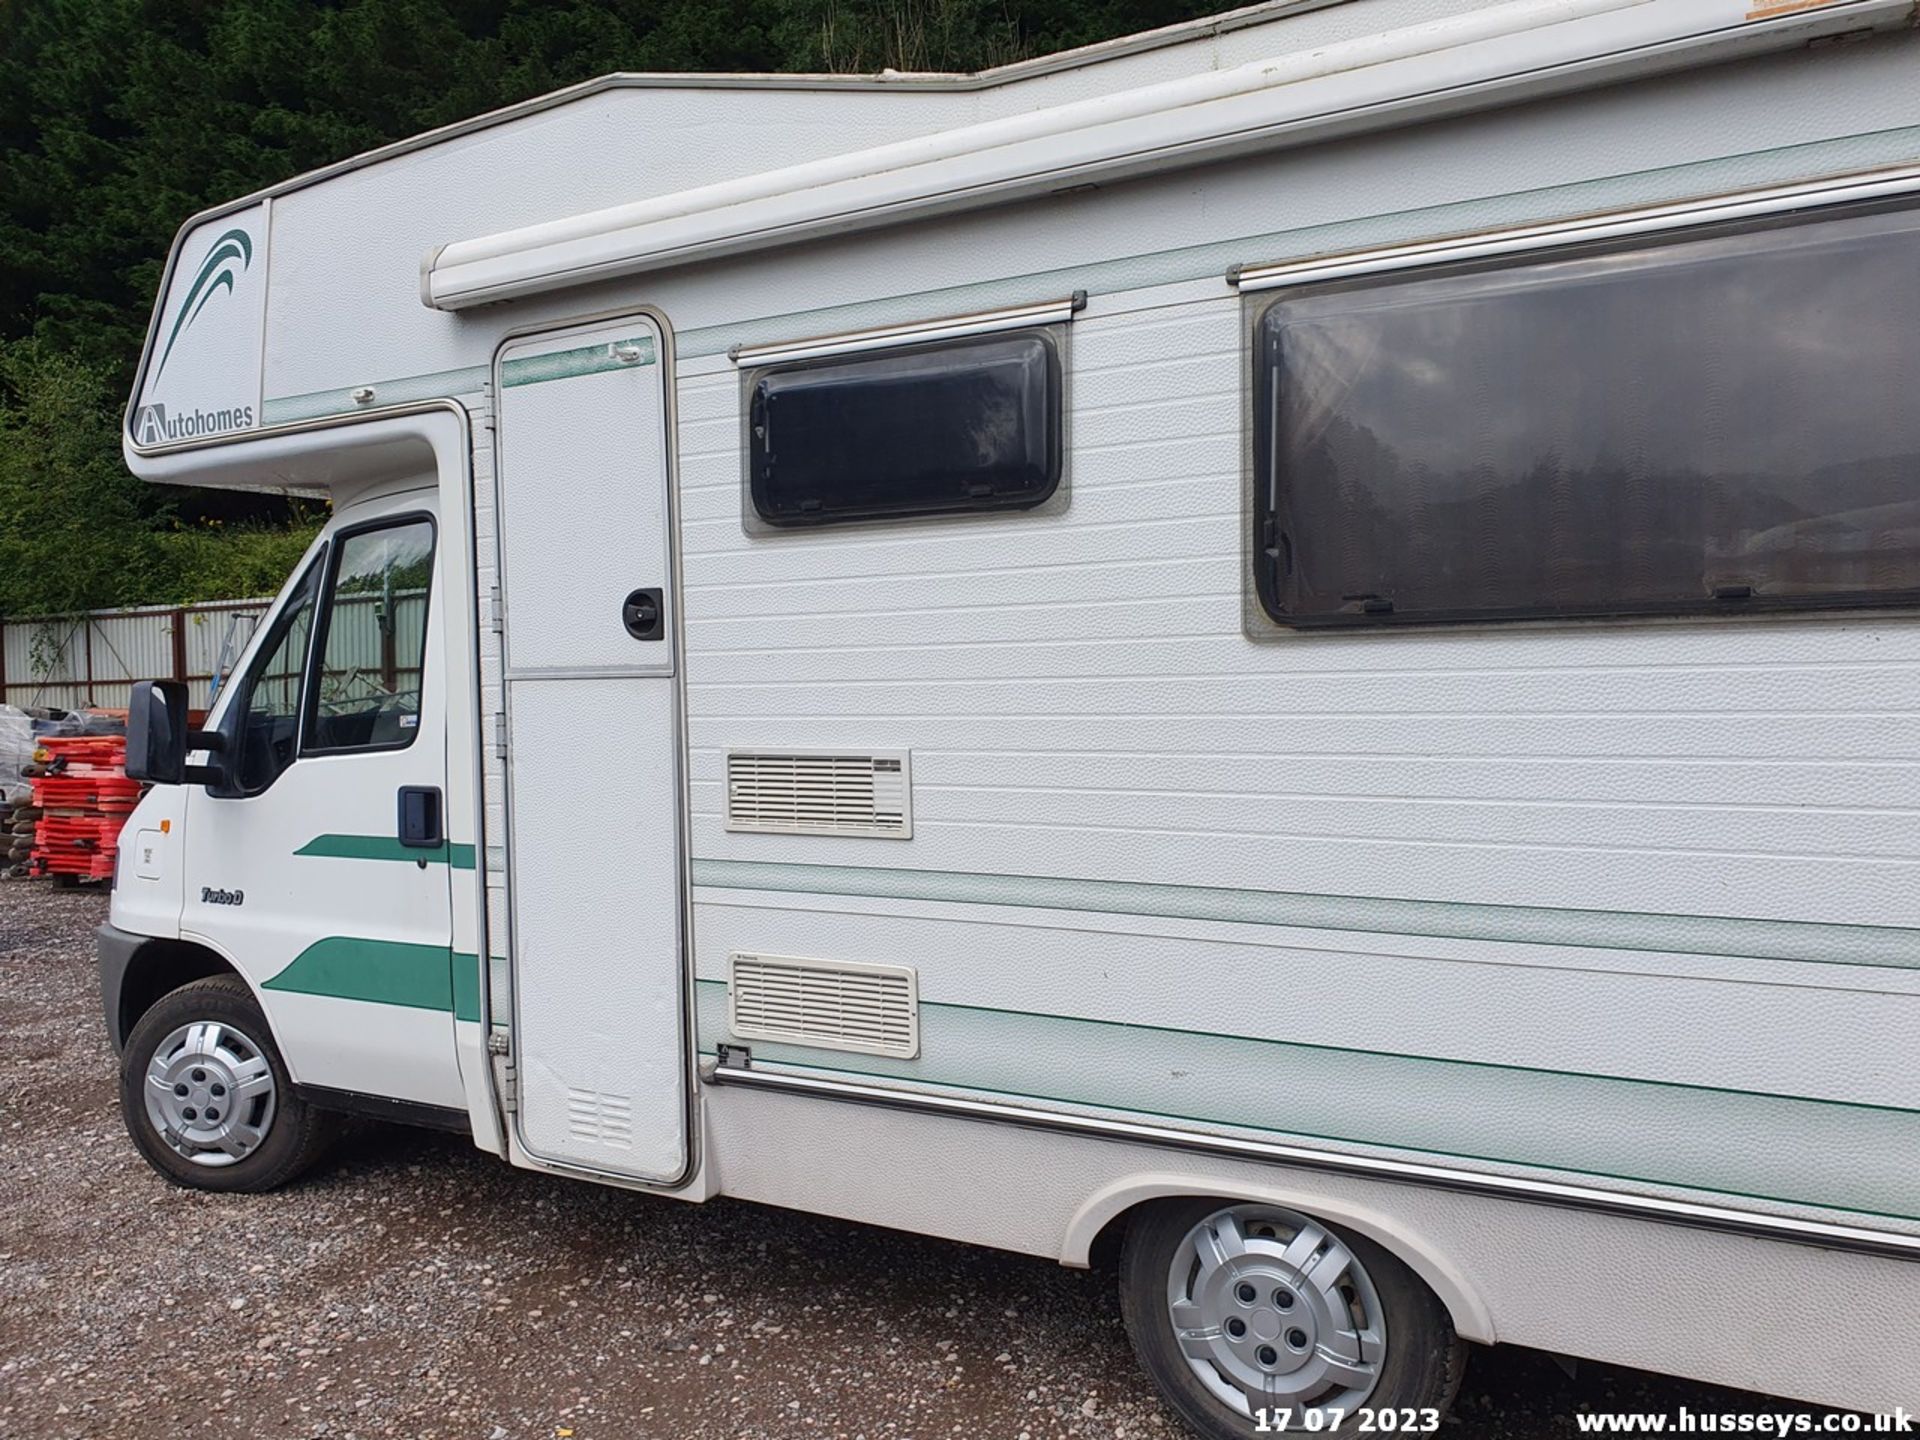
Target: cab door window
{"points": [[264, 731], [371, 651]]}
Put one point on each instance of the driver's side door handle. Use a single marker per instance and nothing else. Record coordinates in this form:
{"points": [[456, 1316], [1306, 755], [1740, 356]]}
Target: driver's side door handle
{"points": [[422, 824]]}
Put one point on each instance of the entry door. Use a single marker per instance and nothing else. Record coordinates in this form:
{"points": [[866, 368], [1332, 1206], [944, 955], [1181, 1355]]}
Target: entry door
{"points": [[593, 784]]}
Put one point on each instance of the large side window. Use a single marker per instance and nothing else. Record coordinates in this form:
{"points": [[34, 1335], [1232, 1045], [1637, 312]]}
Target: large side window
{"points": [[961, 425], [1703, 422], [263, 730], [373, 640]]}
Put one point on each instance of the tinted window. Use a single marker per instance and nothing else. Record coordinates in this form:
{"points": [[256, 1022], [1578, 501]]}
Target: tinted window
{"points": [[964, 425], [1719, 422], [375, 636], [265, 723]]}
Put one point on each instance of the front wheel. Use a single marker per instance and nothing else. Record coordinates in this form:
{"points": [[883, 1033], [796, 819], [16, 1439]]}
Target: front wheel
{"points": [[1254, 1319], [207, 1098]]}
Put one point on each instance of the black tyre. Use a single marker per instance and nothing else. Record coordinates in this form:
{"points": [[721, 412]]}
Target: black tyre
{"points": [[207, 1098], [1236, 1310]]}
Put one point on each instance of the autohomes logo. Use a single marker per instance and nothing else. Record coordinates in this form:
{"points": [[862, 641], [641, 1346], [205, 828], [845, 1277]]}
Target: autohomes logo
{"points": [[152, 425], [220, 273]]}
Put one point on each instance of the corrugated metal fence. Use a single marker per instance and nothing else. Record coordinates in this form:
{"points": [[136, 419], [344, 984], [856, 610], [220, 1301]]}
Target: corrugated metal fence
{"points": [[68, 661], [93, 659], [374, 645]]}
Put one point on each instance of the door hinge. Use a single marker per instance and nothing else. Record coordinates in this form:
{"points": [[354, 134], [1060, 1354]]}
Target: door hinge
{"points": [[733, 1057], [496, 612], [508, 1085], [497, 1043], [500, 734]]}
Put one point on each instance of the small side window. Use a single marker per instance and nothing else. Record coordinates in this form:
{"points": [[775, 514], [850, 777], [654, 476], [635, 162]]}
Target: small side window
{"points": [[957, 426], [373, 641], [263, 725]]}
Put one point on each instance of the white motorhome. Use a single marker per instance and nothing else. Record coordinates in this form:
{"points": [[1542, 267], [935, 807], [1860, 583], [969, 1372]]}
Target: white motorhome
{"points": [[1292, 645]]}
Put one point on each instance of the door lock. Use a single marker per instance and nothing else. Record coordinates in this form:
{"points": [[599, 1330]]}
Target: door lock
{"points": [[644, 613]]}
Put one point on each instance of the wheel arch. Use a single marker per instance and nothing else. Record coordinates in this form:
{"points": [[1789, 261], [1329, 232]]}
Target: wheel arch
{"points": [[154, 969], [1104, 1214]]}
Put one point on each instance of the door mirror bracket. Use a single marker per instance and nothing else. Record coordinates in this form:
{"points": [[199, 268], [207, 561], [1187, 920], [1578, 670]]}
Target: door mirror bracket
{"points": [[159, 739]]}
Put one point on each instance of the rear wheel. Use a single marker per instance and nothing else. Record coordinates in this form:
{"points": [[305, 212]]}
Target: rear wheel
{"points": [[207, 1098], [1254, 1318]]}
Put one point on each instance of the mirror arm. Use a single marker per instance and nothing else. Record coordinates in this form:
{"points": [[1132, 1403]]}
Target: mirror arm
{"points": [[215, 744]]}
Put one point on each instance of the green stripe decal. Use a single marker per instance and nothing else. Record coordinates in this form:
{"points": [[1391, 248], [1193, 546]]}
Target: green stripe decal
{"points": [[1511, 924], [395, 390], [467, 980], [567, 364], [441, 384], [386, 972], [1787, 1150], [385, 847], [381, 972]]}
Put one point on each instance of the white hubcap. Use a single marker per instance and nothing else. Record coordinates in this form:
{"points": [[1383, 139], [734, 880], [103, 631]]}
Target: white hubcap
{"points": [[210, 1093], [1275, 1315]]}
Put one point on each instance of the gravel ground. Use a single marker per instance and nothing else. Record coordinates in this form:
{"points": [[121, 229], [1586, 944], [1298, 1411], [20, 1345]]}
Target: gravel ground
{"points": [[414, 1287]]}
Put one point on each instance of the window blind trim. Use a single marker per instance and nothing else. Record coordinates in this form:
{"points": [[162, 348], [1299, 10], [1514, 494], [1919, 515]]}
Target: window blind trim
{"points": [[1612, 225], [854, 342]]}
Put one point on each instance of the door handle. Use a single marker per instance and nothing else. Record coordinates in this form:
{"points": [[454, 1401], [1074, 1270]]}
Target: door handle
{"points": [[644, 614], [422, 826]]}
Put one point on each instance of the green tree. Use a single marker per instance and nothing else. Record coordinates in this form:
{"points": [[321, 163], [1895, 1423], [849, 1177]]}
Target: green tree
{"points": [[77, 532], [121, 118], [71, 527]]}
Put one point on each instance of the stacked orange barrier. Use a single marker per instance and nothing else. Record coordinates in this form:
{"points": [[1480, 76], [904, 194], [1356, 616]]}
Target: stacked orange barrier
{"points": [[84, 798]]}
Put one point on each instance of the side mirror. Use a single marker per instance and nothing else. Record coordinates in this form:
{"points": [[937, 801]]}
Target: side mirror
{"points": [[157, 732], [158, 739]]}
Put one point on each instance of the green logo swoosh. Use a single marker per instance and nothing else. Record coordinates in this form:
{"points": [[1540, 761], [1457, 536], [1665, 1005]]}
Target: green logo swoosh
{"points": [[217, 273]]}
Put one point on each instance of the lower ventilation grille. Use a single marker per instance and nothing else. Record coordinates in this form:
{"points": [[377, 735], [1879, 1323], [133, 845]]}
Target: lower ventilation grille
{"points": [[829, 1004], [600, 1119], [794, 792]]}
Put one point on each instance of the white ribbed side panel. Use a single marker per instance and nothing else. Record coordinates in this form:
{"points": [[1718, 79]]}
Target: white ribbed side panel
{"points": [[832, 1004], [819, 793]]}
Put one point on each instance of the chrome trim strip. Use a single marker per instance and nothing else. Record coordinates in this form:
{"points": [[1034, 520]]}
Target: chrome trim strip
{"points": [[566, 672], [1538, 1192], [984, 322], [314, 422], [1610, 225]]}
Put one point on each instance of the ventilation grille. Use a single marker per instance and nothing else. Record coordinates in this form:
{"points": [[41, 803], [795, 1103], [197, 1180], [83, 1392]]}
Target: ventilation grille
{"points": [[835, 1005], [600, 1119], [795, 792]]}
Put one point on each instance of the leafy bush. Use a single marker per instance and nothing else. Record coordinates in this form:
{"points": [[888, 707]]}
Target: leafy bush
{"points": [[77, 532], [232, 562]]}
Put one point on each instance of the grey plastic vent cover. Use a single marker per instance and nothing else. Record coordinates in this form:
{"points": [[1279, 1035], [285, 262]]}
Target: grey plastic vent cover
{"points": [[829, 1004], [820, 792]]}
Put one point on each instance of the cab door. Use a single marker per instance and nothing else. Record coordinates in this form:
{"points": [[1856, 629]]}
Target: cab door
{"points": [[594, 817], [319, 866]]}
